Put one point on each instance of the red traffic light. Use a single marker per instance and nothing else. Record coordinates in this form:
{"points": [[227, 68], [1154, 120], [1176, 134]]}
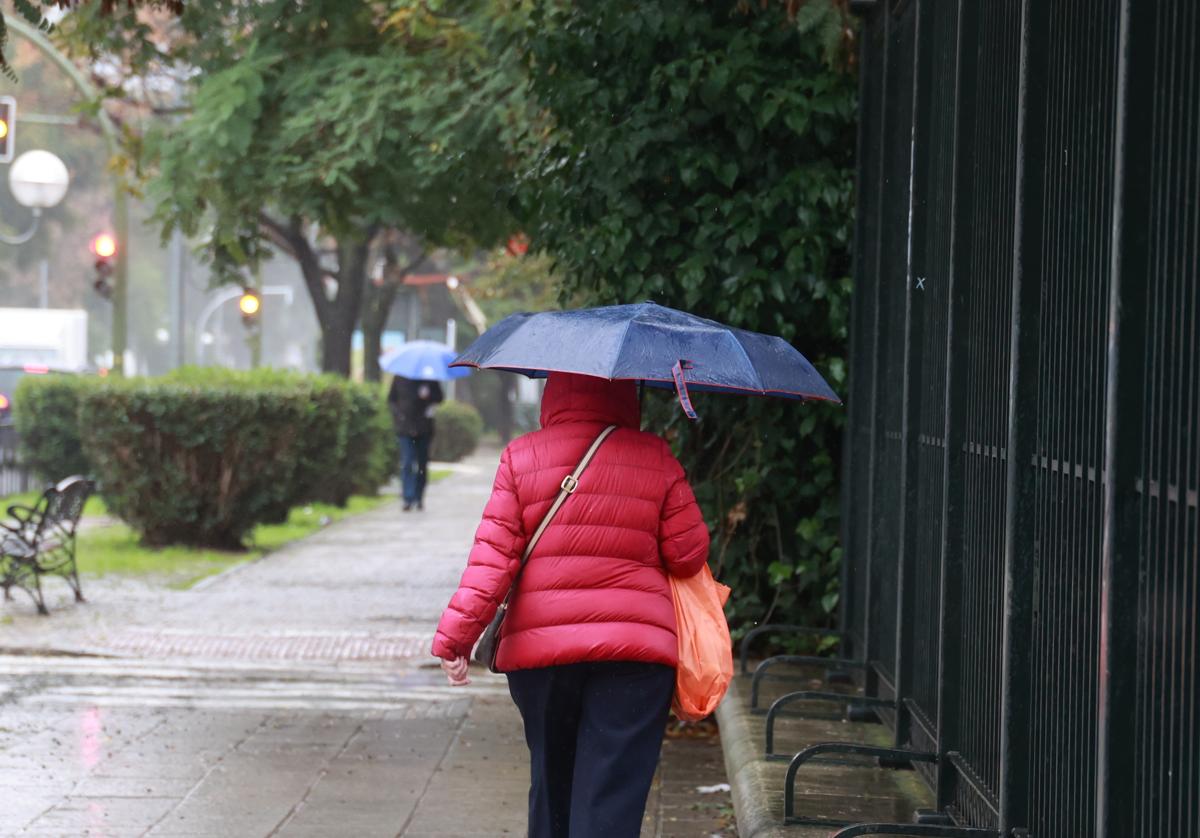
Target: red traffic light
{"points": [[104, 246], [517, 245]]}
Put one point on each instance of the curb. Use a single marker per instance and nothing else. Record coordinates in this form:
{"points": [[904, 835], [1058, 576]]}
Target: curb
{"points": [[749, 780]]}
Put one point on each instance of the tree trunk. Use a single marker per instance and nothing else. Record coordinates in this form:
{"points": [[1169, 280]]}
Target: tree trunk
{"points": [[336, 317], [338, 333], [336, 338], [378, 299], [372, 329]]}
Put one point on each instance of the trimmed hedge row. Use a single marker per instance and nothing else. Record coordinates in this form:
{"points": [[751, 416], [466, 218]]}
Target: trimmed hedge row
{"points": [[46, 415], [203, 454], [194, 466], [457, 426]]}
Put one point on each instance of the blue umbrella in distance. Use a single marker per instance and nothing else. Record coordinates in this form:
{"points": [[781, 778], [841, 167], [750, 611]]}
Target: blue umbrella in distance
{"points": [[424, 360], [646, 342]]}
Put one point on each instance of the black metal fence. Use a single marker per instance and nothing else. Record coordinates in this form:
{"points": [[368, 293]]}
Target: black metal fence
{"points": [[14, 477], [1022, 529]]}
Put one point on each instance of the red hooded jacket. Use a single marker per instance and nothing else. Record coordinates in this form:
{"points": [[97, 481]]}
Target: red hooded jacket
{"points": [[595, 587]]}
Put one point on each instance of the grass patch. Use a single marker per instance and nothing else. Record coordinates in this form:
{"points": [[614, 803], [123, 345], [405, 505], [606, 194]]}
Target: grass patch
{"points": [[305, 520], [115, 550]]}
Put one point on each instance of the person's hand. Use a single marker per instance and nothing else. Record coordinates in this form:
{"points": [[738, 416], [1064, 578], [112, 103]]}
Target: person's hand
{"points": [[456, 671]]}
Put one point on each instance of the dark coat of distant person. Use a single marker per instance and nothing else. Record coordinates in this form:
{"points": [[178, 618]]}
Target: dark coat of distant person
{"points": [[410, 402]]}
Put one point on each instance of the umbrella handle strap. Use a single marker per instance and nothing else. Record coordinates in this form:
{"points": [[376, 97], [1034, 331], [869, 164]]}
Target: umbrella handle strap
{"points": [[685, 400]]}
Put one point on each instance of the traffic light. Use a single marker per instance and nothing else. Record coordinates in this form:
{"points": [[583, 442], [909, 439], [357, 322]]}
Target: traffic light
{"points": [[250, 304], [518, 244], [104, 248], [8, 126]]}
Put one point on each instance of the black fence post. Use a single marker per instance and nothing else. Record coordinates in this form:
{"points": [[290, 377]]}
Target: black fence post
{"points": [[858, 410], [950, 672], [906, 553], [1020, 545], [1148, 769], [881, 29], [1116, 775]]}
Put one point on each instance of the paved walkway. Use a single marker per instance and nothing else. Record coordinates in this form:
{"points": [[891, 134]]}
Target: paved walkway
{"points": [[290, 696]]}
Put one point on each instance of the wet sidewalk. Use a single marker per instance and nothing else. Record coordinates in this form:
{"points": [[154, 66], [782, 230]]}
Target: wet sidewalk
{"points": [[290, 696]]}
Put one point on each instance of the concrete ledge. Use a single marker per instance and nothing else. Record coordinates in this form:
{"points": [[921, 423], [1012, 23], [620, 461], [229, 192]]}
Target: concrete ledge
{"points": [[853, 793], [755, 785]]}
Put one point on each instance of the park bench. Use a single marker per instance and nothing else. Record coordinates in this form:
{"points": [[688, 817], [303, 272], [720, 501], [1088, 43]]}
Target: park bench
{"points": [[39, 540]]}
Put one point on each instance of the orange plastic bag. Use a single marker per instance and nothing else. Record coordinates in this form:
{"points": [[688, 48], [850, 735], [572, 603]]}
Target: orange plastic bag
{"points": [[705, 652]]}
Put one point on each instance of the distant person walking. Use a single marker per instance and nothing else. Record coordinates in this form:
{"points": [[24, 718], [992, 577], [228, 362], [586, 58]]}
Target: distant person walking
{"points": [[412, 403]]}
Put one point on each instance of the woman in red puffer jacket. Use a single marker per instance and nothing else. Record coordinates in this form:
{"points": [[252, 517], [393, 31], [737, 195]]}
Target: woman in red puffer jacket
{"points": [[589, 642]]}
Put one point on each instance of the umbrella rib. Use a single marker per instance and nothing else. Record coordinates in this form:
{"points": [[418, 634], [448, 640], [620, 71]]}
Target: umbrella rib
{"points": [[621, 347], [761, 387]]}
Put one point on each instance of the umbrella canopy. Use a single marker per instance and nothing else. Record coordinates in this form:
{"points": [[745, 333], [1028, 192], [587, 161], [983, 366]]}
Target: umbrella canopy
{"points": [[424, 360], [651, 343]]}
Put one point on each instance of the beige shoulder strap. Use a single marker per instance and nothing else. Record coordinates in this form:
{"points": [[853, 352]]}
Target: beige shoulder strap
{"points": [[569, 484]]}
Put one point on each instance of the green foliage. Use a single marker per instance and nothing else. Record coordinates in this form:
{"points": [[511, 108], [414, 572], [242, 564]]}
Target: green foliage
{"points": [[46, 414], [339, 117], [701, 156], [457, 427], [189, 465], [204, 454], [370, 453], [346, 439], [349, 114]]}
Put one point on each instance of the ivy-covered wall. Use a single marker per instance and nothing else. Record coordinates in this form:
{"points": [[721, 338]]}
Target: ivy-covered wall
{"points": [[701, 155]]}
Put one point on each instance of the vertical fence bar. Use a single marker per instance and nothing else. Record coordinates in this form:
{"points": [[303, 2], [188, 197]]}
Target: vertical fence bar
{"points": [[950, 671], [1067, 472], [1116, 775], [889, 359], [910, 417], [1019, 544], [854, 594], [881, 29], [983, 290], [1165, 68], [929, 293]]}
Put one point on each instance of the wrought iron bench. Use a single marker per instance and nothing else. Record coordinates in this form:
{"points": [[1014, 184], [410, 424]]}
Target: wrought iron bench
{"points": [[39, 540]]}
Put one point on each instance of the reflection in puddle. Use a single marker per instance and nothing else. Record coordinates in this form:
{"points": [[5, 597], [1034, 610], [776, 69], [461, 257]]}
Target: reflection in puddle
{"points": [[91, 729], [96, 816]]}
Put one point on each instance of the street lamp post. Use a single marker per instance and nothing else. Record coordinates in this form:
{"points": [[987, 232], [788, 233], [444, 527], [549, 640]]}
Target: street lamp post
{"points": [[120, 204], [225, 296], [38, 180]]}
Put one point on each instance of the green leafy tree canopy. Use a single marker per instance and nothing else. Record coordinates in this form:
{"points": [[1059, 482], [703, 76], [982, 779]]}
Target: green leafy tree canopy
{"points": [[701, 155]]}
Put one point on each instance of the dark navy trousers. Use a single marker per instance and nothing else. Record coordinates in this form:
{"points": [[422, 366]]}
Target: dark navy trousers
{"points": [[414, 463], [594, 732]]}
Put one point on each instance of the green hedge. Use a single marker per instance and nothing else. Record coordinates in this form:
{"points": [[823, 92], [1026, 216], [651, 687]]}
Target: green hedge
{"points": [[347, 444], [188, 465], [46, 414], [457, 427], [202, 454]]}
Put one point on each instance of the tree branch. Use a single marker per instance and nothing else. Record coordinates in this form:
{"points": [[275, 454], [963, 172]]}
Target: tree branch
{"points": [[290, 239]]}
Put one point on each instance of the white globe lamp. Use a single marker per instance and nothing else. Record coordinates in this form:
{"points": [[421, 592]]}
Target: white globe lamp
{"points": [[38, 179]]}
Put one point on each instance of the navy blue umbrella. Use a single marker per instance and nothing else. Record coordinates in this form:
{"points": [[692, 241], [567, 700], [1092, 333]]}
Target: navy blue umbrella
{"points": [[650, 343]]}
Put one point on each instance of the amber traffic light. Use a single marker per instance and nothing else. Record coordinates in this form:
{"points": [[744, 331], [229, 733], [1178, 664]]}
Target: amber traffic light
{"points": [[250, 304], [8, 120], [104, 248]]}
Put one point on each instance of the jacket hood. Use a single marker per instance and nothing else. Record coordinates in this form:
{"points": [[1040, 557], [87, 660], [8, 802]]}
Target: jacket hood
{"points": [[582, 398]]}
